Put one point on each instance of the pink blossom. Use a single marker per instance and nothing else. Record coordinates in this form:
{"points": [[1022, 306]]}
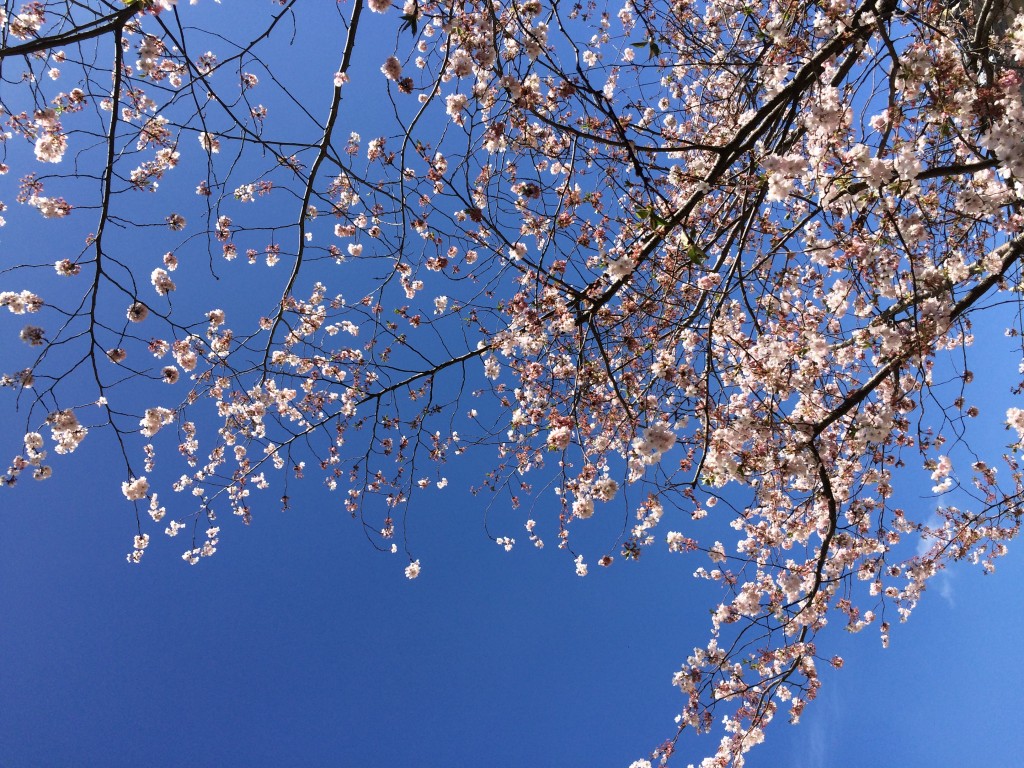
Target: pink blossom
{"points": [[392, 68]]}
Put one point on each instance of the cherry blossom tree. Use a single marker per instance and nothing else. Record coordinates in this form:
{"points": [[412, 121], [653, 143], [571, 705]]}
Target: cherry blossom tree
{"points": [[670, 262]]}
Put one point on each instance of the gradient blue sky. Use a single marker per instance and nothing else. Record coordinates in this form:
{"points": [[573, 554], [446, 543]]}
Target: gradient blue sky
{"points": [[299, 644]]}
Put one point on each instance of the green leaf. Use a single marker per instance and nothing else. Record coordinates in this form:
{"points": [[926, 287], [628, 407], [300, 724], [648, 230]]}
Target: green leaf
{"points": [[410, 21]]}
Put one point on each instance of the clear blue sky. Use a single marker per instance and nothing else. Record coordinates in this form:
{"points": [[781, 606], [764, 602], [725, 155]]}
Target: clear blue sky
{"points": [[299, 644]]}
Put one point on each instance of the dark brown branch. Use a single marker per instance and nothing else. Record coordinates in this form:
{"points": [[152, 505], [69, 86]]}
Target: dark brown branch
{"points": [[1011, 254], [96, 28]]}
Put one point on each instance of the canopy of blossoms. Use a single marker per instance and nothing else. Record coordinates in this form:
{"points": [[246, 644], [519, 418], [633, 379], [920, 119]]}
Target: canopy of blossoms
{"points": [[702, 260]]}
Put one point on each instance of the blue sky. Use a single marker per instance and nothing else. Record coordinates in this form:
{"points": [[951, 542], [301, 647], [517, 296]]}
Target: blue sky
{"points": [[299, 644]]}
